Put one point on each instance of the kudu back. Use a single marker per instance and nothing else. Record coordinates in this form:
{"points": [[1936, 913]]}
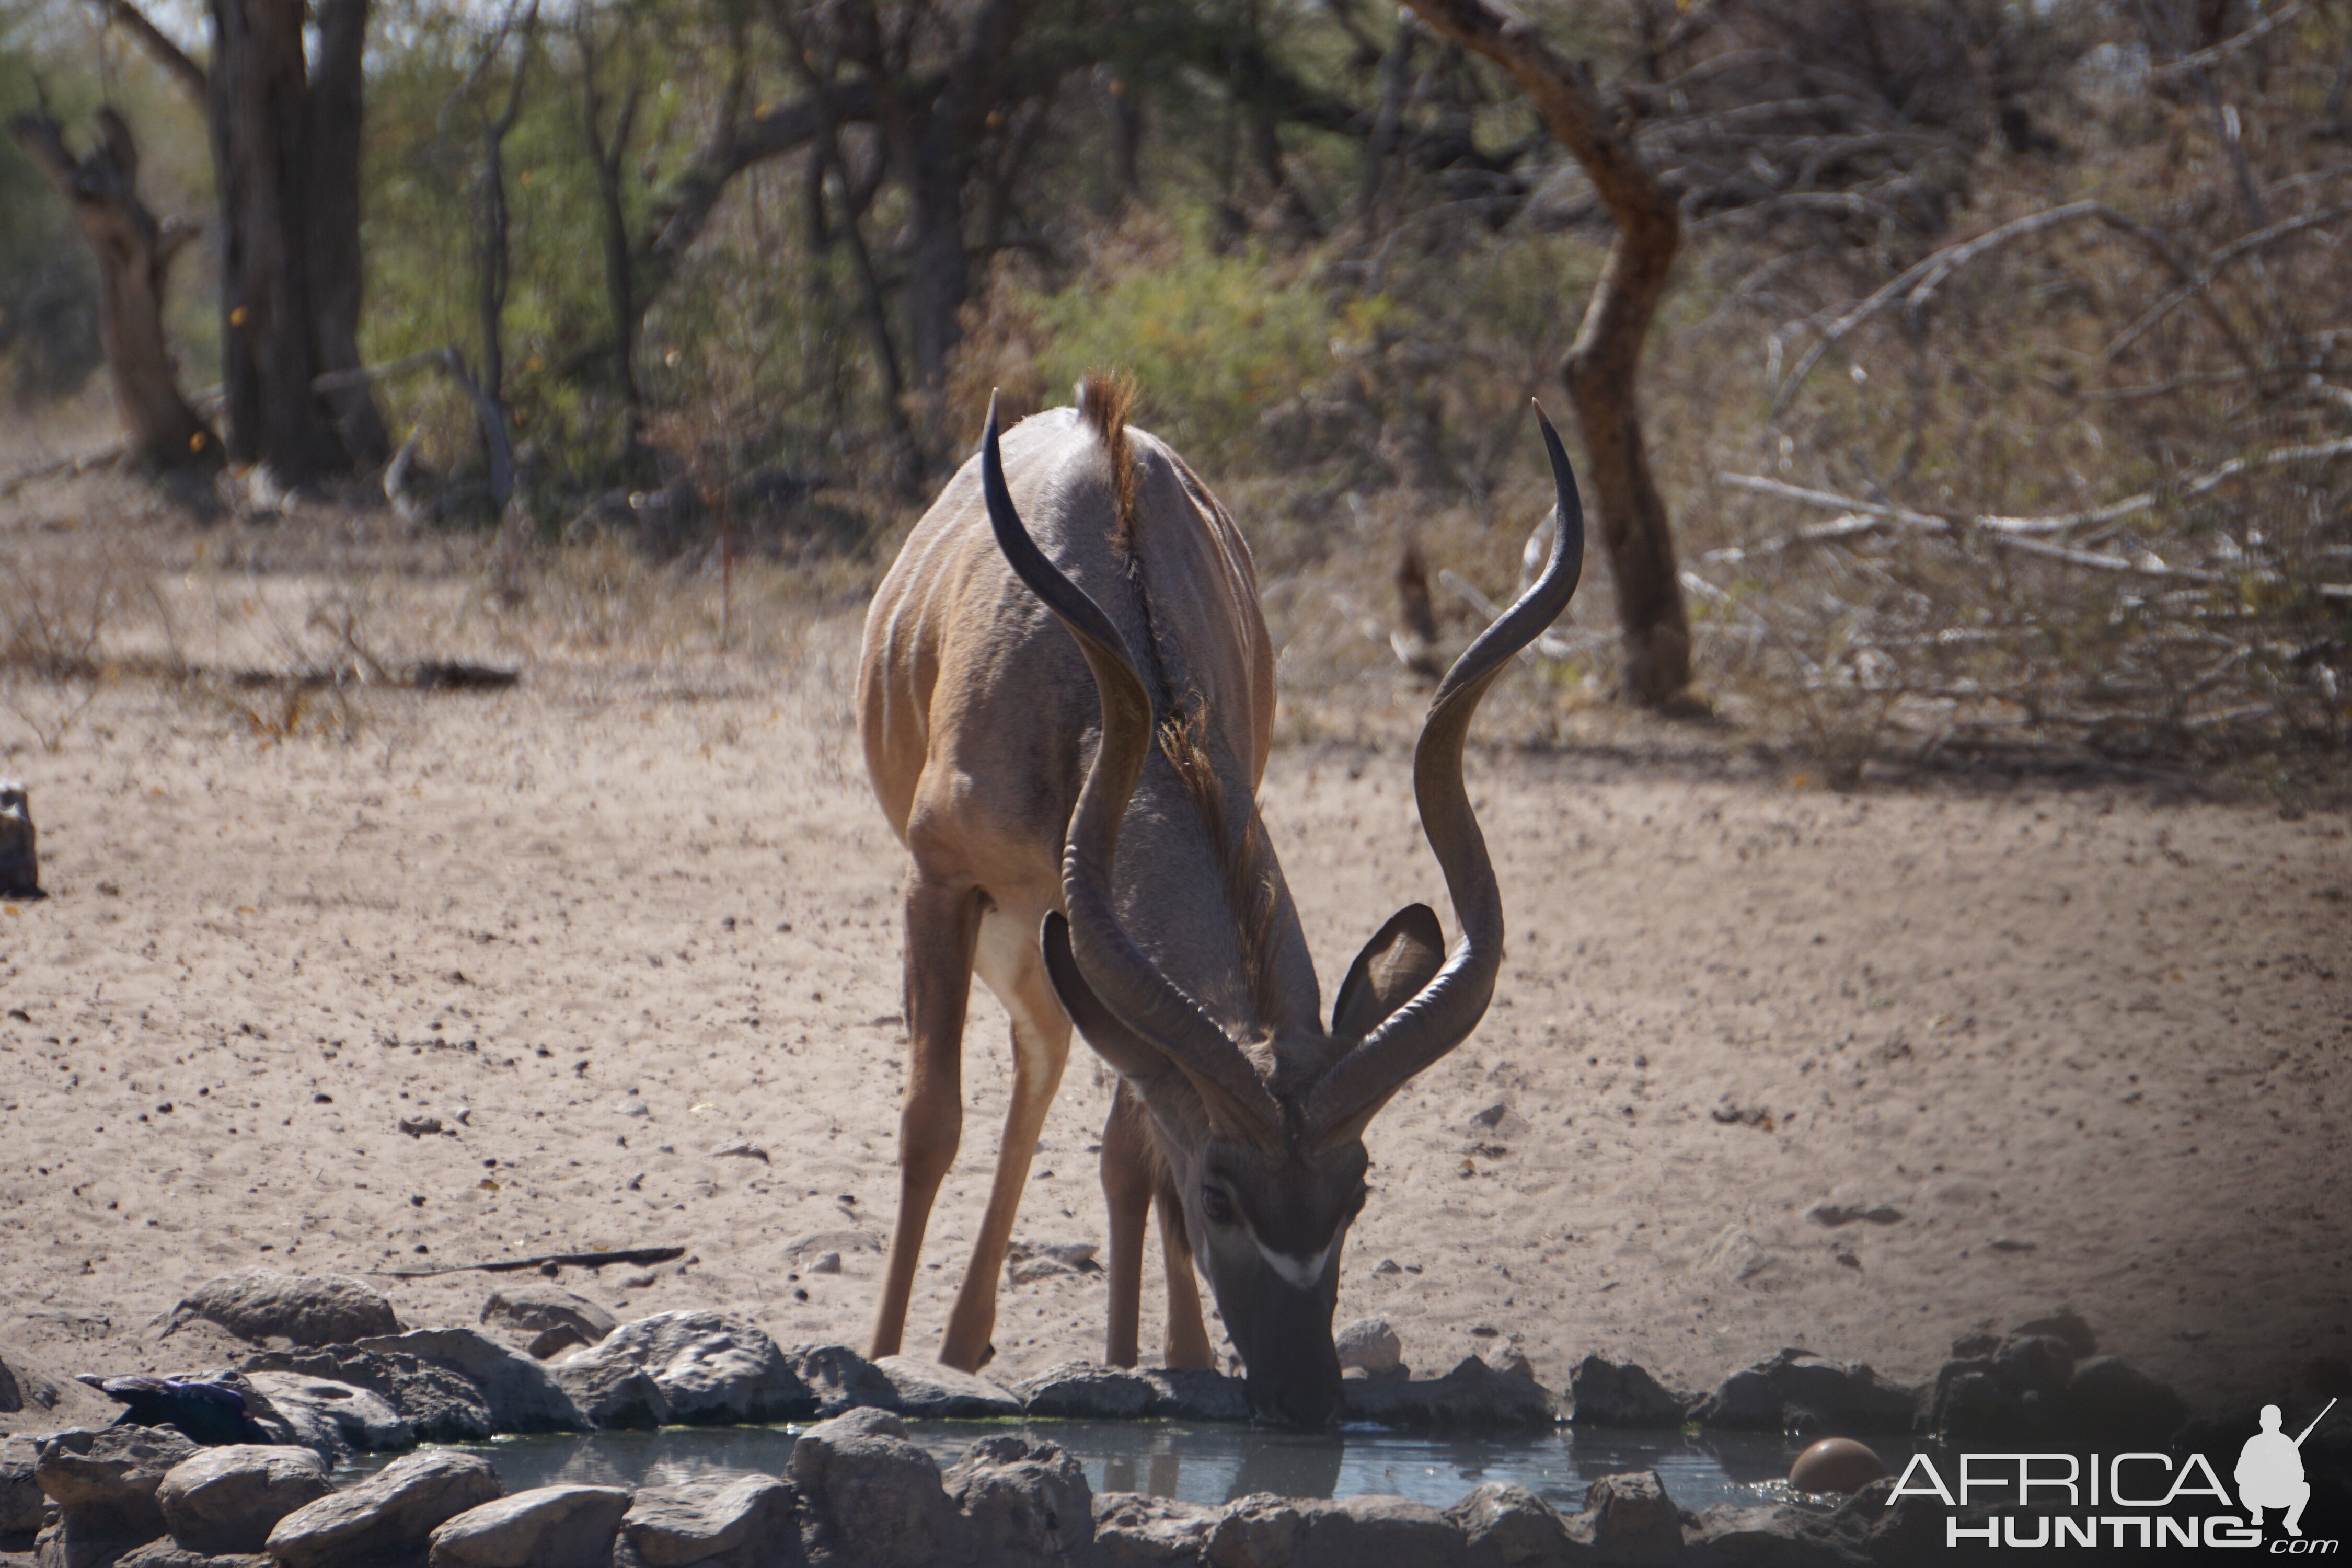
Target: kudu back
{"points": [[1066, 695]]}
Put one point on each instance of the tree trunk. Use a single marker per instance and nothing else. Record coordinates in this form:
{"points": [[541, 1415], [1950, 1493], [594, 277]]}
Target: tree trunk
{"points": [[337, 99], [1601, 366], [134, 253], [271, 182]]}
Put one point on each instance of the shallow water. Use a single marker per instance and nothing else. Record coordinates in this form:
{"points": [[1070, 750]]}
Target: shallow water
{"points": [[1213, 1464]]}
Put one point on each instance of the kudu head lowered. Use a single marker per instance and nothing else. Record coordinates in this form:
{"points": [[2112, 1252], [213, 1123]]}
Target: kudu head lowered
{"points": [[1269, 1159]]}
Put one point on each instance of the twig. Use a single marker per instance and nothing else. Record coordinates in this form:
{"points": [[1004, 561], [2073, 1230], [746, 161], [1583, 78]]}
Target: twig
{"points": [[514, 1265], [2234, 251], [1918, 284], [335, 380], [2229, 47], [74, 467]]}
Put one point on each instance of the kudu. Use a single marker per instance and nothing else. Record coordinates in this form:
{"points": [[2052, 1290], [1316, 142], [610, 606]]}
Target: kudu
{"points": [[1078, 802]]}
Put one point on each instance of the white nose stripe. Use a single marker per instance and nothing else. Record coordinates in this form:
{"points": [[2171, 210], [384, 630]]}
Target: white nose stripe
{"points": [[1299, 1273]]}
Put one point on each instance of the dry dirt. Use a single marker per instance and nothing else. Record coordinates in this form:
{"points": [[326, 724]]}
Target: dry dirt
{"points": [[2090, 1044]]}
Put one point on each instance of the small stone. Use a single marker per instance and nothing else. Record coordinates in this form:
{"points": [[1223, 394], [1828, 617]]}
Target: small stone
{"points": [[1836, 1465], [531, 1309], [1387, 1266], [1369, 1343], [20, 860], [420, 1126], [2063, 1324], [826, 1263], [741, 1149]]}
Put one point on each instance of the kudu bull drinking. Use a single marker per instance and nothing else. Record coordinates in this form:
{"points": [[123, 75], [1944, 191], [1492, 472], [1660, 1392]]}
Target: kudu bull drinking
{"points": [[1067, 719]]}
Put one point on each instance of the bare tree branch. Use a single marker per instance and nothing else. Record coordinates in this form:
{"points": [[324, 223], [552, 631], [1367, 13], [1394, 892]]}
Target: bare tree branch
{"points": [[167, 54]]}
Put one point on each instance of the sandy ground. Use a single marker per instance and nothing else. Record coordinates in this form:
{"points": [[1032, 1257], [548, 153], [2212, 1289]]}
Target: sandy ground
{"points": [[2090, 1044]]}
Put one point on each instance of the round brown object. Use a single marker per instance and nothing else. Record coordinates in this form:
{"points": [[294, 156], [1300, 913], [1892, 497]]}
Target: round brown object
{"points": [[1836, 1465]]}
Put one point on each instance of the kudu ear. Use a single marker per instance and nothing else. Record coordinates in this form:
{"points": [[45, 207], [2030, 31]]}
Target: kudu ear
{"points": [[1401, 958]]}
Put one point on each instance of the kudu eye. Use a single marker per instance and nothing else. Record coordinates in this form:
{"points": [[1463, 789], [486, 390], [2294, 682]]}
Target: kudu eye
{"points": [[1216, 1207]]}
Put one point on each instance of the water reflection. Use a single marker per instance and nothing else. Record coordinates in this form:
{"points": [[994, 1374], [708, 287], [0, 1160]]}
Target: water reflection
{"points": [[1212, 1464]]}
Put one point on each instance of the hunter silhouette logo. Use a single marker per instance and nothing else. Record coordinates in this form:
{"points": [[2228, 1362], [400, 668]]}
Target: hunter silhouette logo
{"points": [[2270, 1470]]}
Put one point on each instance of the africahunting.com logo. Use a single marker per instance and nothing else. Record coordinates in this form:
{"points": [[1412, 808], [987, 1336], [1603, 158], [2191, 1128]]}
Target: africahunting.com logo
{"points": [[2141, 1500]]}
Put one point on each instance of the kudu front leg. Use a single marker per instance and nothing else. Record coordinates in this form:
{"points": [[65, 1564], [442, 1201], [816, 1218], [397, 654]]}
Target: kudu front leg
{"points": [[1130, 1172], [943, 930], [1188, 1335], [1041, 1045]]}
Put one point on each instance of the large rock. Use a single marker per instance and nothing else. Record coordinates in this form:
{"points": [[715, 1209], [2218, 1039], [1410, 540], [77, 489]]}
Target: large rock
{"points": [[1603, 1393], [1796, 1391], [874, 1499], [1025, 1504], [2107, 1400], [707, 1368], [1632, 1519], [1364, 1530], [1510, 1527], [1473, 1395], [1136, 1532], [548, 1527], [841, 1379], [929, 1390], [547, 1318], [439, 1404], [333, 1419], [170, 1553], [522, 1395], [1182, 1394], [751, 1522], [1370, 1344], [226, 1499], [259, 1305], [389, 1515], [1082, 1391], [21, 1502], [104, 1485]]}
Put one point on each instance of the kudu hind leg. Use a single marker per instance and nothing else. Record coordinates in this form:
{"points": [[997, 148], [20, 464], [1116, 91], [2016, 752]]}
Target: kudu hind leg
{"points": [[943, 930], [1041, 1045], [1130, 1174]]}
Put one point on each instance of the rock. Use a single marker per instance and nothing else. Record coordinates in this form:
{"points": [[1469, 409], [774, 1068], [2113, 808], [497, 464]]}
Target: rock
{"points": [[1082, 1391], [1836, 1465], [2063, 1324], [331, 1419], [1730, 1536], [826, 1263], [1260, 1531], [390, 1513], [1023, 1502], [170, 1554], [1632, 1519], [1798, 1392], [1028, 1260], [708, 1367], [421, 1126], [1510, 1526], [21, 1502], [752, 1523], [1603, 1393], [1836, 1215], [1472, 1395], [257, 1305], [1137, 1531], [1183, 1394], [550, 1343], [225, 1500], [2109, 1400], [441, 1404], [548, 1527], [527, 1311], [1368, 1531], [20, 859], [522, 1395], [1371, 1344], [873, 1498], [841, 1379], [104, 1485], [1977, 1346], [928, 1390], [609, 1394]]}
